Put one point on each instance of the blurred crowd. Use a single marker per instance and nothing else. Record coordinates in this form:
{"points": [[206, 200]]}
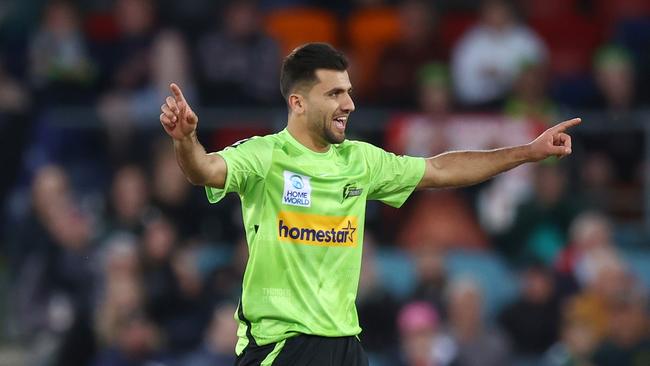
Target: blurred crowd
{"points": [[109, 257]]}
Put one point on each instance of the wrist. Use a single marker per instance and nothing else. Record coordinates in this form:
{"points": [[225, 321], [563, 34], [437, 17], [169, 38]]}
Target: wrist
{"points": [[187, 139], [528, 153]]}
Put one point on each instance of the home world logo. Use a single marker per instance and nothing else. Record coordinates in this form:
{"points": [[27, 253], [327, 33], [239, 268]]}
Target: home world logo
{"points": [[297, 189], [321, 230]]}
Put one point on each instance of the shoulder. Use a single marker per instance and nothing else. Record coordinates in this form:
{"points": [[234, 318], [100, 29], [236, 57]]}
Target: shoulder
{"points": [[355, 144], [260, 144], [257, 151], [362, 150], [356, 147]]}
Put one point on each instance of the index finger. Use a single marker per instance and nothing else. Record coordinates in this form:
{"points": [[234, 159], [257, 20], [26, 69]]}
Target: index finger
{"points": [[563, 126], [178, 94]]}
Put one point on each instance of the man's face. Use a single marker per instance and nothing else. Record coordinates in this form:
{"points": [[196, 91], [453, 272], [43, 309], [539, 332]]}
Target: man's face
{"points": [[328, 105]]}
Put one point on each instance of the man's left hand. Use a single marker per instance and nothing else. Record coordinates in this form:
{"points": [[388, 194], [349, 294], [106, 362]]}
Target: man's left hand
{"points": [[553, 142]]}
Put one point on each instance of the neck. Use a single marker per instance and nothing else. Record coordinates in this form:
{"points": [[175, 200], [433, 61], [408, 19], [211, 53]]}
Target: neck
{"points": [[298, 129]]}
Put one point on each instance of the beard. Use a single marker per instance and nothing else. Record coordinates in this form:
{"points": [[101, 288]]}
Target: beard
{"points": [[330, 136], [322, 124]]}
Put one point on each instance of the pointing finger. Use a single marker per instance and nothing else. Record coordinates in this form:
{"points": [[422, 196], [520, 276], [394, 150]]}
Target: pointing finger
{"points": [[178, 94], [561, 127]]}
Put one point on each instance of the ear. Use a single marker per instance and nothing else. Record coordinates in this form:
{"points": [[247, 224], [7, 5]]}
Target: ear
{"points": [[296, 103]]}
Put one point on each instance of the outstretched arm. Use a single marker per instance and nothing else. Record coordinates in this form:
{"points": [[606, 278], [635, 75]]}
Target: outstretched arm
{"points": [[464, 168], [180, 122]]}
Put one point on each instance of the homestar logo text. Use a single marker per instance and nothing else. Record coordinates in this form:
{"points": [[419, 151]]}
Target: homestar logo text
{"points": [[333, 231], [297, 190]]}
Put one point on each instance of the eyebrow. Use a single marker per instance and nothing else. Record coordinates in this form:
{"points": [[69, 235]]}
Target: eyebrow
{"points": [[338, 89]]}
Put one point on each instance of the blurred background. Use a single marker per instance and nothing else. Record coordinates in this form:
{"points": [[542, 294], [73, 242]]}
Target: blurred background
{"points": [[109, 257]]}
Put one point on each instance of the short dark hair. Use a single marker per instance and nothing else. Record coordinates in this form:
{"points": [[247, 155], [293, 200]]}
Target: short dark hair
{"points": [[301, 65]]}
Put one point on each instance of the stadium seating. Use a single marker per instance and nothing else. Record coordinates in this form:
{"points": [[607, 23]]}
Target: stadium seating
{"points": [[454, 25], [292, 27], [369, 32], [572, 40]]}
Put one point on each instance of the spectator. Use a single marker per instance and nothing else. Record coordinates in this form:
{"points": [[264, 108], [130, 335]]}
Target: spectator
{"points": [[577, 340], [622, 146], [532, 321], [597, 177], [634, 34], [229, 60], [541, 222], [189, 311], [120, 293], [61, 69], [529, 98], [589, 233], [137, 343], [53, 283], [420, 340], [168, 61], [127, 61], [628, 337], [375, 305], [431, 276], [158, 243], [50, 191], [129, 57], [606, 279], [219, 342], [614, 72], [423, 133], [170, 192], [127, 112], [475, 342], [484, 62], [129, 202], [398, 65]]}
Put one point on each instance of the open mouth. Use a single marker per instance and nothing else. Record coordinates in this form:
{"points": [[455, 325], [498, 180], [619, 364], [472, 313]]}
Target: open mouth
{"points": [[340, 122]]}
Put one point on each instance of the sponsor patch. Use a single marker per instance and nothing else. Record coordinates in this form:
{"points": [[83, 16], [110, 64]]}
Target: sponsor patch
{"points": [[333, 231], [297, 189]]}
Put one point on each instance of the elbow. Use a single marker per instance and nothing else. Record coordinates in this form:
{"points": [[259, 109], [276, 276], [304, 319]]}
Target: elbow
{"points": [[195, 180], [438, 175]]}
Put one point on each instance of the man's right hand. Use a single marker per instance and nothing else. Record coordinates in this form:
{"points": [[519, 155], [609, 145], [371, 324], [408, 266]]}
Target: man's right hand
{"points": [[177, 118]]}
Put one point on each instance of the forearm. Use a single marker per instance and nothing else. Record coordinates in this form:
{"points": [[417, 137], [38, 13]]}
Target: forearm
{"points": [[463, 168], [196, 164]]}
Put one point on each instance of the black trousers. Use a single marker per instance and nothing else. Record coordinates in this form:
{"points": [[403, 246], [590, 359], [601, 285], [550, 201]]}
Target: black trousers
{"points": [[306, 350]]}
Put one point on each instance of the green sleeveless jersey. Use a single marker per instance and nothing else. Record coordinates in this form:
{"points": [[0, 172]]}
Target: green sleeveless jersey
{"points": [[303, 214]]}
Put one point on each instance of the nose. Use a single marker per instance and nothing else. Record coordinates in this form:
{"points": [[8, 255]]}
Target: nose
{"points": [[347, 105]]}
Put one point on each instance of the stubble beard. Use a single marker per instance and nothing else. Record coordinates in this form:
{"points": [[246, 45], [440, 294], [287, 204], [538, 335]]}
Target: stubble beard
{"points": [[330, 136], [326, 133]]}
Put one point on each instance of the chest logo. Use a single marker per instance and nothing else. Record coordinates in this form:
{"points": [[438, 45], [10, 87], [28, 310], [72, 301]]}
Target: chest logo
{"points": [[320, 230], [297, 189], [351, 190]]}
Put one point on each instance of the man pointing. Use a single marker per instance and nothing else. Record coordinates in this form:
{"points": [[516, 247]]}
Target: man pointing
{"points": [[303, 192]]}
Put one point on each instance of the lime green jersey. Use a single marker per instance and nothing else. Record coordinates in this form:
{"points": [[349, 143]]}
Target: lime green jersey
{"points": [[303, 214]]}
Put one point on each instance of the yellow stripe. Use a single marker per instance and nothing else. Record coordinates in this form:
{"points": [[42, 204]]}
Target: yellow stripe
{"points": [[320, 230]]}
